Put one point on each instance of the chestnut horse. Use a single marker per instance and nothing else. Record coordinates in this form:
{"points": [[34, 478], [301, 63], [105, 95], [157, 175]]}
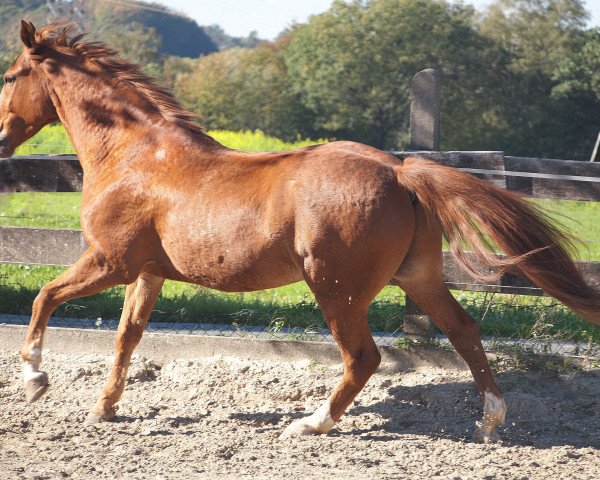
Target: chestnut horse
{"points": [[161, 199]]}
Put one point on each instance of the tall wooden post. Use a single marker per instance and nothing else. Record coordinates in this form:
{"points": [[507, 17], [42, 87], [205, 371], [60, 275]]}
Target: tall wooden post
{"points": [[424, 135], [425, 111]]}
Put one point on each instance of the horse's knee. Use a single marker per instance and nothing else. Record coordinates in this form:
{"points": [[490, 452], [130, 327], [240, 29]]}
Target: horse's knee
{"points": [[130, 336], [46, 298]]}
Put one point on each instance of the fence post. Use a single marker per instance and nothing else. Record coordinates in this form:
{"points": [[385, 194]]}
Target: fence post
{"points": [[424, 135], [425, 111]]}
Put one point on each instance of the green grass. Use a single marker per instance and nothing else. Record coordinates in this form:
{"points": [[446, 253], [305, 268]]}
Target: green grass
{"points": [[258, 141], [47, 210], [294, 305], [290, 306], [52, 139]]}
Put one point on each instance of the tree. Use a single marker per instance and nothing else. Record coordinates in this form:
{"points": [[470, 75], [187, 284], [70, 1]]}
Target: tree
{"points": [[579, 72], [243, 89], [577, 91], [210, 89], [174, 69], [534, 37], [134, 42], [353, 65], [537, 34], [224, 41]]}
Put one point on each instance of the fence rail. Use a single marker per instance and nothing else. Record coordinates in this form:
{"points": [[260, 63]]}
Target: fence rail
{"points": [[45, 246]]}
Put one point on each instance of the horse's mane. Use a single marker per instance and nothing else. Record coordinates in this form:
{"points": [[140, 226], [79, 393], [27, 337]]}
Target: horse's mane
{"points": [[69, 35]]}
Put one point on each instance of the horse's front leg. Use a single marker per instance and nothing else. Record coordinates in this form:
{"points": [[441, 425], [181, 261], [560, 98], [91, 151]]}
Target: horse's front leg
{"points": [[89, 275], [140, 298]]}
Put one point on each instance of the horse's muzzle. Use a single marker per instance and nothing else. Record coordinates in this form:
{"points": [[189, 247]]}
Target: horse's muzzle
{"points": [[6, 150]]}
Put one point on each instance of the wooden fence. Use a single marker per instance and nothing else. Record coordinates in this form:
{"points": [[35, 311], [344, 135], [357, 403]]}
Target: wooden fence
{"points": [[538, 178]]}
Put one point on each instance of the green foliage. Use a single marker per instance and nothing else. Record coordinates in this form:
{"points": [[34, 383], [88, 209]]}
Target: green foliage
{"points": [[353, 65], [178, 34], [135, 42], [536, 34], [533, 38], [244, 89], [224, 41], [579, 72], [522, 76]]}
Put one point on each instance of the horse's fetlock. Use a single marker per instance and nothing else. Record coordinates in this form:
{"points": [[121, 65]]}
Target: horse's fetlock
{"points": [[31, 355]]}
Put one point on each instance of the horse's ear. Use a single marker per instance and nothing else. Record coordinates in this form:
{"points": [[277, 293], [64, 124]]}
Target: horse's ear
{"points": [[28, 34]]}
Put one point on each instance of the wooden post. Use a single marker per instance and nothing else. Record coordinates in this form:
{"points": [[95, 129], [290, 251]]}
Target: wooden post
{"points": [[424, 135], [425, 111]]}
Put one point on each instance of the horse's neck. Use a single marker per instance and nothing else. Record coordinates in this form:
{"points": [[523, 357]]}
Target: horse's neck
{"points": [[103, 122]]}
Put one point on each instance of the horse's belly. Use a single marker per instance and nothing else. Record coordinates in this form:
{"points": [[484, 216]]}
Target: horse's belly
{"points": [[232, 267]]}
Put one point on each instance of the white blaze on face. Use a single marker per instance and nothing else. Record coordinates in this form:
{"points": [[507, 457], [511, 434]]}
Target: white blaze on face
{"points": [[161, 154]]}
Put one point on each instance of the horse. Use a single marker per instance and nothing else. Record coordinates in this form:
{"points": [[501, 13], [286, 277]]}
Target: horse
{"points": [[163, 200]]}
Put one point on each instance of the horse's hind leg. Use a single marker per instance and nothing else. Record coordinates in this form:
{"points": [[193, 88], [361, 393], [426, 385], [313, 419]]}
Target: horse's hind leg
{"points": [[140, 298], [421, 277], [348, 324], [436, 301]]}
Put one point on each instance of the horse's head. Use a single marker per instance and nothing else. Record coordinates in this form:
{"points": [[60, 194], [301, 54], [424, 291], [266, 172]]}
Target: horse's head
{"points": [[25, 103]]}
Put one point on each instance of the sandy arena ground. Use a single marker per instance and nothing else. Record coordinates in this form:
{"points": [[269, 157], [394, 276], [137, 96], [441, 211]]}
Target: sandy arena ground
{"points": [[220, 418]]}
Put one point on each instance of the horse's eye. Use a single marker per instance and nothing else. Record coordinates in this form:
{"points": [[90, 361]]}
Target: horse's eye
{"points": [[9, 79]]}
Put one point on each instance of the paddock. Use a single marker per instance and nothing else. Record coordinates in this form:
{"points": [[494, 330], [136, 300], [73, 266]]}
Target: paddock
{"points": [[220, 416]]}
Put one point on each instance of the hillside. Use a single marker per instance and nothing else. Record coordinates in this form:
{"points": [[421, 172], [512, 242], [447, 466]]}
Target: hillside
{"points": [[146, 29]]}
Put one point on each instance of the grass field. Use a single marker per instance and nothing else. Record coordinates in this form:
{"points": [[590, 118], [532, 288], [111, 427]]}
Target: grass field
{"points": [[290, 306], [294, 306]]}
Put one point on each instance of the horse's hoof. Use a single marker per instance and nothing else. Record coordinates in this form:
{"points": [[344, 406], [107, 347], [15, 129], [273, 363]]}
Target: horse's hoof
{"points": [[36, 385], [95, 417], [487, 436], [297, 429]]}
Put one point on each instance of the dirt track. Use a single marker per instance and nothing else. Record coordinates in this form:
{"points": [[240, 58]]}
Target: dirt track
{"points": [[220, 418]]}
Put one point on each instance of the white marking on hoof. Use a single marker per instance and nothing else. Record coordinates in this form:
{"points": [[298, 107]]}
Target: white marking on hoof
{"points": [[494, 413], [36, 382], [319, 422]]}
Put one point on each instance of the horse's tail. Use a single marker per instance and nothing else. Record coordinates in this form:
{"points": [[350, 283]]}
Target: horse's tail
{"points": [[477, 215]]}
